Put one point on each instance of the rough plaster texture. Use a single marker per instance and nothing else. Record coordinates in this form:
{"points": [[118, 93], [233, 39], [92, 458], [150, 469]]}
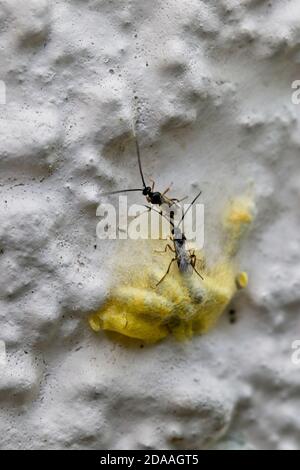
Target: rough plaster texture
{"points": [[211, 82]]}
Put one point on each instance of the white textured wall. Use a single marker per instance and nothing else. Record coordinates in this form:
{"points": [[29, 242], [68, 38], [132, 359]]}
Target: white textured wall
{"points": [[212, 81]]}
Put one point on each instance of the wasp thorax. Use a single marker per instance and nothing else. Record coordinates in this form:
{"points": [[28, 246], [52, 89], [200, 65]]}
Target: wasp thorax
{"points": [[156, 198], [178, 235]]}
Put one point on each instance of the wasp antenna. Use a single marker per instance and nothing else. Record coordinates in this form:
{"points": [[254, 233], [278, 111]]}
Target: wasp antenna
{"points": [[160, 213], [190, 206], [121, 191], [172, 215], [139, 159]]}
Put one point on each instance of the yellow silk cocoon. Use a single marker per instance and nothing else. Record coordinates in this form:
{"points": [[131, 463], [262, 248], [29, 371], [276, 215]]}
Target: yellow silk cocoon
{"points": [[182, 305]]}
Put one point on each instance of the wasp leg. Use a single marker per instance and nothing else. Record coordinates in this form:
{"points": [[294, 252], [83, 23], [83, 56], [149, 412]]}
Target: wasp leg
{"points": [[166, 191], [165, 250], [201, 277], [175, 201], [168, 201], [182, 199], [168, 270], [195, 260], [142, 213], [153, 184], [193, 264]]}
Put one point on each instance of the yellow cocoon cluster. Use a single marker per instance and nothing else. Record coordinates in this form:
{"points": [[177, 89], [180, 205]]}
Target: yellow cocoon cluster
{"points": [[181, 305]]}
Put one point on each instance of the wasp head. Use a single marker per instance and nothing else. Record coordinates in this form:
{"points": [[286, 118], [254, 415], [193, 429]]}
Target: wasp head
{"points": [[146, 190]]}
